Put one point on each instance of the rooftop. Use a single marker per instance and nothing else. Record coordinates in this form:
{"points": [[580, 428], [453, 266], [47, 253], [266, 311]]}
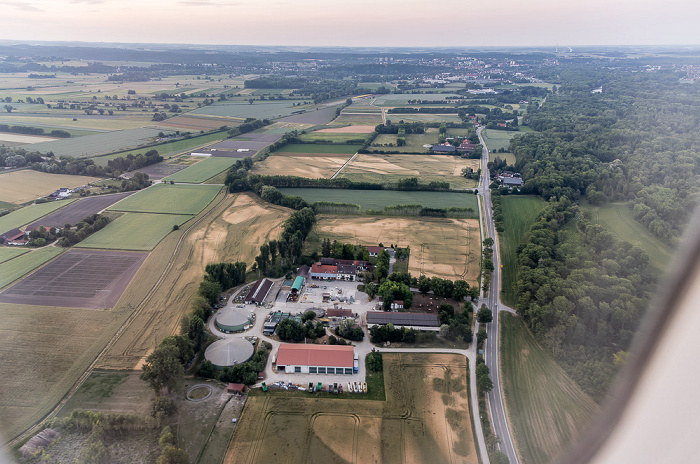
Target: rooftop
{"points": [[315, 355], [403, 319], [228, 352], [259, 291]]}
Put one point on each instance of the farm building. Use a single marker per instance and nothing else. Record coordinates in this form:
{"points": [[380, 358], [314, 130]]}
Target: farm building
{"points": [[229, 352], [375, 250], [511, 179], [341, 269], [259, 292], [13, 237], [446, 148], [324, 271], [397, 304], [418, 321], [343, 313], [315, 359], [298, 284], [235, 388], [233, 320]]}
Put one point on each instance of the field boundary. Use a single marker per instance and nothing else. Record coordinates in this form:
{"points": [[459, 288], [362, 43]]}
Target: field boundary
{"points": [[24, 435]]}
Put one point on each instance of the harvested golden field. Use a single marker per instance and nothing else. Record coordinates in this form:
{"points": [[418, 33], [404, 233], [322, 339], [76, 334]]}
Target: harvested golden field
{"points": [[310, 166], [27, 185], [233, 230], [425, 418], [43, 351], [358, 129], [428, 168], [440, 247]]}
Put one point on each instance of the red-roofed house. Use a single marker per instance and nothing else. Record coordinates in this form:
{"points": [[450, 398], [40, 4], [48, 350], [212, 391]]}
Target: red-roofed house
{"points": [[235, 388], [324, 271], [315, 359]]}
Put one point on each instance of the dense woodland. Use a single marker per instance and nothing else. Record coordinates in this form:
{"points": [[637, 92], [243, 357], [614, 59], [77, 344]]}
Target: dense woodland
{"points": [[581, 290]]}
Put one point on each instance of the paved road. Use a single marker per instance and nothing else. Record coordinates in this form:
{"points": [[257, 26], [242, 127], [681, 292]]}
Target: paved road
{"points": [[495, 398]]}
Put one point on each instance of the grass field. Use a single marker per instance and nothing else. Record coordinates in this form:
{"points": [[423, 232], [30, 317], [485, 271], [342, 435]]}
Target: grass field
{"points": [[425, 418], [427, 168], [547, 411], [414, 142], [242, 109], [17, 267], [402, 99], [446, 248], [169, 148], [378, 199], [351, 116], [310, 166], [134, 231], [497, 139], [338, 149], [169, 199], [98, 144], [29, 214], [618, 219], [423, 117], [335, 137], [28, 185], [7, 253], [232, 231], [519, 213], [205, 169]]}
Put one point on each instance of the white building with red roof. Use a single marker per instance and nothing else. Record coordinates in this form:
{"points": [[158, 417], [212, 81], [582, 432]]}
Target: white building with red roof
{"points": [[315, 359]]}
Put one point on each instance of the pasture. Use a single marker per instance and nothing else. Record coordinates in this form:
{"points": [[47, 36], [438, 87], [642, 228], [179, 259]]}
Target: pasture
{"points": [[359, 118], [243, 109], [99, 144], [497, 139], [334, 137], [427, 168], [23, 139], [519, 213], [134, 231], [232, 230], [199, 172], [347, 130], [77, 279], [169, 199], [7, 253], [24, 216], [335, 149], [414, 142], [425, 418], [169, 148], [309, 166], [617, 219], [19, 266], [544, 421], [402, 99], [378, 199], [423, 117], [27, 185], [441, 247]]}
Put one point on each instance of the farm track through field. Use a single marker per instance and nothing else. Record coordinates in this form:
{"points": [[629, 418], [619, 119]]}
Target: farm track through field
{"points": [[132, 316], [343, 166]]}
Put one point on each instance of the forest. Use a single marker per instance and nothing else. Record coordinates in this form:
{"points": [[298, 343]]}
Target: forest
{"points": [[581, 290]]}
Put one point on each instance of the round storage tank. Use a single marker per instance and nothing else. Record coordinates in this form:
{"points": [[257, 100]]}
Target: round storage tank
{"points": [[233, 320], [229, 352]]}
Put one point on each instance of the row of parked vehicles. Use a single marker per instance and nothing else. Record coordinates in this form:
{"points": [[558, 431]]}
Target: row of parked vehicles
{"points": [[335, 388]]}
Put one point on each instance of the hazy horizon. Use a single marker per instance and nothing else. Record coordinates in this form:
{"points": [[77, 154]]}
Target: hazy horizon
{"points": [[364, 23]]}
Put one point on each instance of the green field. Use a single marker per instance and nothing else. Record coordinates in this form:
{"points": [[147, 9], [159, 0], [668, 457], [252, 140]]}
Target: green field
{"points": [[15, 268], [497, 139], [28, 214], [414, 143], [134, 231], [378, 199], [617, 218], [519, 213], [547, 410], [333, 137], [169, 199], [258, 110], [336, 149], [204, 170], [423, 117], [402, 99], [169, 148], [97, 144], [7, 253], [6, 205]]}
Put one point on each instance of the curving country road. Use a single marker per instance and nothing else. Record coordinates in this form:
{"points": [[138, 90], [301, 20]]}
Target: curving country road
{"points": [[495, 397]]}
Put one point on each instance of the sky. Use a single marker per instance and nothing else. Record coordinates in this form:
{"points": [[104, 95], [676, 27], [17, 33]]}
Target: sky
{"points": [[364, 23]]}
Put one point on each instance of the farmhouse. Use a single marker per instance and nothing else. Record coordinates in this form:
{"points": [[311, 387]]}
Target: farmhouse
{"points": [[229, 352], [315, 359], [341, 269], [466, 146], [397, 304], [13, 237], [511, 179], [375, 250], [257, 294], [233, 320], [419, 321]]}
